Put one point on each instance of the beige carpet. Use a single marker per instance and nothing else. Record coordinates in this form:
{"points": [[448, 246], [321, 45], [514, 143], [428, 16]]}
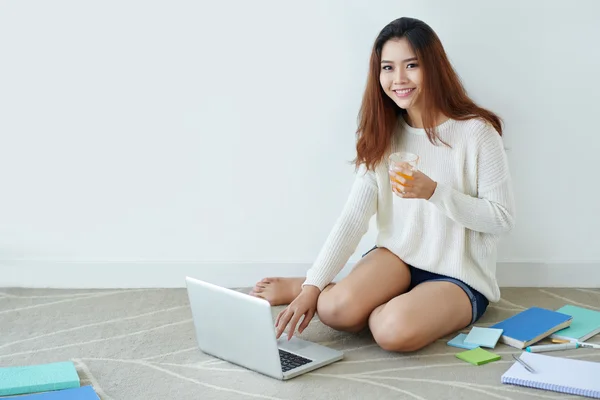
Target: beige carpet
{"points": [[140, 344]]}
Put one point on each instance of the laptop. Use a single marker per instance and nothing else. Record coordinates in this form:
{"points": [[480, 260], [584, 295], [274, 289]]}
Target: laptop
{"points": [[239, 328]]}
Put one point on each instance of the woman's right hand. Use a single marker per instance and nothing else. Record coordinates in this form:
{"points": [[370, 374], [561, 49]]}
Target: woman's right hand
{"points": [[303, 305]]}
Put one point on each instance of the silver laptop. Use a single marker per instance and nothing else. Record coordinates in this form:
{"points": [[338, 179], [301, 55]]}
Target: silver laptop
{"points": [[239, 328]]}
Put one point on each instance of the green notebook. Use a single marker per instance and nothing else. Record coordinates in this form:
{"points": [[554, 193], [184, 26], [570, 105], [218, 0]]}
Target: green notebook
{"points": [[38, 378], [478, 356], [586, 323]]}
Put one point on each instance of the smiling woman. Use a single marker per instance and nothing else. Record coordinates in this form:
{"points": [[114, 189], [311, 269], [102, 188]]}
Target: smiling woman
{"points": [[410, 66], [400, 78], [432, 270]]}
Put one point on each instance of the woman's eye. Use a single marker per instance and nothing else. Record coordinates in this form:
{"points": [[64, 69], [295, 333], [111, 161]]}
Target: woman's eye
{"points": [[413, 65], [386, 68]]}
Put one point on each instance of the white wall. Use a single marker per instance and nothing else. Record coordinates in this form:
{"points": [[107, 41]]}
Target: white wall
{"points": [[172, 137]]}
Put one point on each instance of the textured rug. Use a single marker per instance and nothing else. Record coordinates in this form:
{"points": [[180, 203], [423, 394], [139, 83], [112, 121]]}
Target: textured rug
{"points": [[140, 344]]}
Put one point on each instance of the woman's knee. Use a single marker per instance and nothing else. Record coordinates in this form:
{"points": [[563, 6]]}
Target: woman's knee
{"points": [[337, 309], [397, 332]]}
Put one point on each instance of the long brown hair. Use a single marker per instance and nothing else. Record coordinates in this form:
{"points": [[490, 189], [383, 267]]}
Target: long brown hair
{"points": [[441, 91]]}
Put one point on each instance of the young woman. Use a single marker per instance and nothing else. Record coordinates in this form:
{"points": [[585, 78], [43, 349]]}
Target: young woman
{"points": [[432, 271]]}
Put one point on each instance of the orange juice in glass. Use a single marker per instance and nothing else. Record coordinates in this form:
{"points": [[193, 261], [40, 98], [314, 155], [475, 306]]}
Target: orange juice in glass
{"points": [[402, 160]]}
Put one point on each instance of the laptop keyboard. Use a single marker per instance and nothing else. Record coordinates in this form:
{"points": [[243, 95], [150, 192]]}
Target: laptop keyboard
{"points": [[290, 361]]}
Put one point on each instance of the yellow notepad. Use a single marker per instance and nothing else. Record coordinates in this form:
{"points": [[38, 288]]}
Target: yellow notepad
{"points": [[478, 356]]}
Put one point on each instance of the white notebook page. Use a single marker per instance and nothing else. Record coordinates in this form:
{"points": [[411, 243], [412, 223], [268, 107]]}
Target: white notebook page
{"points": [[557, 372]]}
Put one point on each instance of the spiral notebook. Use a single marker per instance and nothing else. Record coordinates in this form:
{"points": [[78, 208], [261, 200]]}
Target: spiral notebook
{"points": [[557, 374]]}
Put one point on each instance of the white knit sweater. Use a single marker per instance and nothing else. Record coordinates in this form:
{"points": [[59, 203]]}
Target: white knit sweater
{"points": [[455, 232]]}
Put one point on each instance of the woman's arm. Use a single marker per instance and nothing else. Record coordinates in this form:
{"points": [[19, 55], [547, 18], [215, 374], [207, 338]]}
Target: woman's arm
{"points": [[347, 232], [492, 210]]}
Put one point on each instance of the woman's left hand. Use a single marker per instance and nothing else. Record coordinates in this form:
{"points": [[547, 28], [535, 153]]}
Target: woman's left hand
{"points": [[410, 184]]}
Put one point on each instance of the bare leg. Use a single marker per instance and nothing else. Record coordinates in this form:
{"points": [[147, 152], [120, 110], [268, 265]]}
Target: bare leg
{"points": [[377, 278], [373, 271], [415, 319], [278, 291]]}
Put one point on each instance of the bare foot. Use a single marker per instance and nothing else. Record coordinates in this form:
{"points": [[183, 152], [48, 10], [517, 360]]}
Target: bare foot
{"points": [[278, 291]]}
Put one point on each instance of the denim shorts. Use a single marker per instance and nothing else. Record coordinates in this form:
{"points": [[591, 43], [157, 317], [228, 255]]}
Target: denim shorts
{"points": [[479, 302]]}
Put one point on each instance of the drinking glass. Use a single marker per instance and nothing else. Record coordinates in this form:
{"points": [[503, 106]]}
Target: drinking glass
{"points": [[402, 160]]}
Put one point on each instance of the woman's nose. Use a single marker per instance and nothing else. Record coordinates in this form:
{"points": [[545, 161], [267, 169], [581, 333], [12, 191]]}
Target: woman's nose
{"points": [[399, 76]]}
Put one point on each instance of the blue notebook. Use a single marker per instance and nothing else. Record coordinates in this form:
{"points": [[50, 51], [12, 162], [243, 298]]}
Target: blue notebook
{"points": [[531, 326], [80, 393], [38, 378]]}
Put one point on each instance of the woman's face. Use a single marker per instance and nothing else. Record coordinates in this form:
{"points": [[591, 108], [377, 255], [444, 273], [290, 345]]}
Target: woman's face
{"points": [[400, 75]]}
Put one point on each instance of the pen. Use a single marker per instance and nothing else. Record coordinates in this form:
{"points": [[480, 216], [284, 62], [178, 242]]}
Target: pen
{"points": [[552, 347], [581, 344], [589, 345], [523, 363]]}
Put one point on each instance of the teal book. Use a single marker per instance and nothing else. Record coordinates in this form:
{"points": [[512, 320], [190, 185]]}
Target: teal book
{"points": [[586, 323], [80, 393], [38, 378], [531, 326]]}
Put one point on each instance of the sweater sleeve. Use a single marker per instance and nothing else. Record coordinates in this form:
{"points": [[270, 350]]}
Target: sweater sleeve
{"points": [[347, 232], [492, 210]]}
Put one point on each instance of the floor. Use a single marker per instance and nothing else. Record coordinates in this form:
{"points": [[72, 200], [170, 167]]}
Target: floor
{"points": [[140, 344]]}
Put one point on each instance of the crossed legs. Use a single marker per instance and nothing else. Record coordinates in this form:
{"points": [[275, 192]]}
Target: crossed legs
{"points": [[375, 295]]}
